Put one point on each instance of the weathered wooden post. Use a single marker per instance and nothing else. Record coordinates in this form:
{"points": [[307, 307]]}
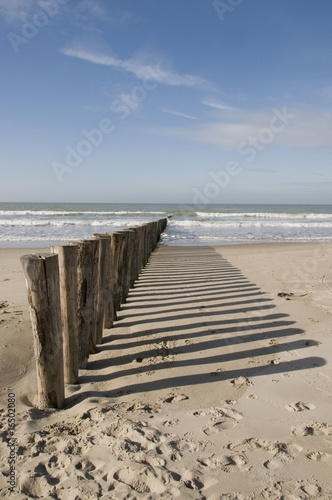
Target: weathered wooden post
{"points": [[123, 266], [134, 265], [67, 256], [127, 262], [152, 227], [144, 231], [139, 250], [117, 248], [146, 242], [42, 280], [156, 234], [87, 290], [105, 303]]}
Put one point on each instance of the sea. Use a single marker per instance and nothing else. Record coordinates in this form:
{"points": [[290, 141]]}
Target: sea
{"points": [[28, 225]]}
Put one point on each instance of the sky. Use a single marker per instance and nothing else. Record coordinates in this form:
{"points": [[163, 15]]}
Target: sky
{"points": [[177, 101]]}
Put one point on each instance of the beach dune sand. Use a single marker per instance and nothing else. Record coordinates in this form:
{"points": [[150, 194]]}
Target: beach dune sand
{"points": [[214, 383]]}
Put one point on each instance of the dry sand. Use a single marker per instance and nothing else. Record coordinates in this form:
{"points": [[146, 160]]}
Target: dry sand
{"points": [[215, 383]]}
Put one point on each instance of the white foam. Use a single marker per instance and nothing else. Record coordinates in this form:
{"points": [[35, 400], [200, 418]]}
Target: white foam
{"points": [[248, 224], [263, 215], [56, 213], [31, 222]]}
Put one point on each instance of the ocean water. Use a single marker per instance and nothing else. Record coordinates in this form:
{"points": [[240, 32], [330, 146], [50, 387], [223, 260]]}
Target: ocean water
{"points": [[42, 224]]}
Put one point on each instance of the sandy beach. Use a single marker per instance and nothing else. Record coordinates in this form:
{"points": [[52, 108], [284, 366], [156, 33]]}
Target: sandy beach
{"points": [[214, 383]]}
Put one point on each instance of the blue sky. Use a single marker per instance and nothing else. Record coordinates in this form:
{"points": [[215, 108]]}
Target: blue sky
{"points": [[181, 101]]}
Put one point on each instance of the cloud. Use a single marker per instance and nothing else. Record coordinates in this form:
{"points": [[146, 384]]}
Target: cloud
{"points": [[177, 113], [13, 10], [302, 129], [86, 14], [141, 70], [90, 8], [217, 105]]}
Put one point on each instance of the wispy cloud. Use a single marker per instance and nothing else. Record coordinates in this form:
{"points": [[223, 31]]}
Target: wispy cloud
{"points": [[141, 70], [308, 129], [178, 113], [217, 105]]}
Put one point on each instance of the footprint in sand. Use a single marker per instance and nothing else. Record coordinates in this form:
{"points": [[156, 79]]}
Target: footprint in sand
{"points": [[57, 462], [192, 480], [173, 398], [199, 413], [292, 490], [319, 456], [313, 320], [39, 483], [281, 451], [271, 464], [313, 429], [145, 479], [241, 382], [224, 419], [143, 408], [228, 463], [290, 295], [170, 423], [223, 425], [225, 412], [85, 465], [300, 406]]}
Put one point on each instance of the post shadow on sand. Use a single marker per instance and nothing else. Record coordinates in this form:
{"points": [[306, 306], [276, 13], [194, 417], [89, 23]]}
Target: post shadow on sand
{"points": [[204, 272]]}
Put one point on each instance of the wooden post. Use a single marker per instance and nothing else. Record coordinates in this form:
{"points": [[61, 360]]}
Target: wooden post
{"points": [[140, 249], [42, 280], [134, 250], [146, 242], [109, 316], [123, 266], [67, 256], [87, 290], [117, 248], [156, 234], [138, 261], [105, 303], [152, 235], [127, 262]]}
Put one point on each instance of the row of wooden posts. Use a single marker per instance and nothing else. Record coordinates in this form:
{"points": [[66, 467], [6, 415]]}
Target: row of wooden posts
{"points": [[74, 292]]}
